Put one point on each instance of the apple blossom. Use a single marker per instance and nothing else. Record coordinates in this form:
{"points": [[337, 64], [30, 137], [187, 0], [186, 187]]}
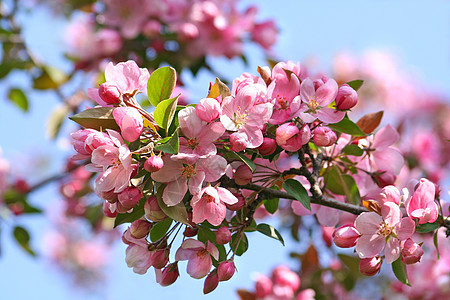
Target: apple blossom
{"points": [[153, 163], [198, 256], [130, 122], [370, 266], [422, 205]]}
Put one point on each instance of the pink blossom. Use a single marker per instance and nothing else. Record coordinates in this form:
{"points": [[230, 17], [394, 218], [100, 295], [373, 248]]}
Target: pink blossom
{"points": [[199, 136], [243, 175], [383, 232], [389, 194], [109, 93], [324, 136], [283, 276], [128, 198], [130, 122], [346, 236], [346, 97], [315, 102], [179, 175], [268, 146], [263, 286], [223, 235], [208, 109], [291, 138], [167, 276], [198, 256], [370, 266], [153, 164], [87, 140], [265, 34], [209, 204], [152, 210], [411, 252], [225, 270], [139, 258], [422, 205]]}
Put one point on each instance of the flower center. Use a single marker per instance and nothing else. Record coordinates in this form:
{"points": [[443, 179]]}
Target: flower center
{"points": [[240, 117], [385, 229], [313, 105], [192, 143], [188, 171], [208, 198], [282, 101]]}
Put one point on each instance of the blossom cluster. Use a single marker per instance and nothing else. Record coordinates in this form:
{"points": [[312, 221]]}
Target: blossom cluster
{"points": [[207, 167]]}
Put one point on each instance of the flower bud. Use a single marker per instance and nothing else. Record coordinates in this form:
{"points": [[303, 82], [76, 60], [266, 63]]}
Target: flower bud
{"points": [[265, 34], [268, 146], [283, 276], [389, 194], [190, 231], [21, 186], [130, 122], [385, 179], [140, 228], [211, 282], [153, 164], [109, 209], [243, 175], [160, 258], [129, 197], [346, 236], [346, 97], [223, 235], [327, 235], [208, 109], [291, 138], [263, 286], [324, 136], [225, 270], [370, 266], [238, 142], [167, 276], [109, 93], [109, 196], [411, 252], [152, 210], [238, 205]]}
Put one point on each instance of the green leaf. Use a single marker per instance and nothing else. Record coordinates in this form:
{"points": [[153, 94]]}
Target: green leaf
{"points": [[399, 270], [270, 231], [343, 184], [353, 149], [243, 244], [50, 78], [137, 213], [352, 264], [98, 118], [18, 97], [160, 229], [297, 190], [23, 238], [56, 119], [347, 126], [231, 155], [177, 212], [161, 84], [271, 205], [170, 145], [355, 84], [205, 234], [427, 227], [164, 112]]}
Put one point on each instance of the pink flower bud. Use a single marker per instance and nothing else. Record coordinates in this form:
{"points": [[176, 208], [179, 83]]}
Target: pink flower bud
{"points": [[263, 286], [223, 235], [238, 205], [238, 142], [78, 139], [327, 235], [225, 270], [140, 228], [129, 197], [187, 31], [283, 276], [346, 97], [167, 276], [109, 93], [130, 122], [324, 136], [109, 209], [190, 232], [291, 138], [243, 175], [152, 28], [152, 210], [370, 266], [411, 252], [211, 282], [268, 146], [308, 294], [109, 196], [208, 109], [160, 258], [389, 194], [346, 236], [385, 179], [265, 34], [153, 164]]}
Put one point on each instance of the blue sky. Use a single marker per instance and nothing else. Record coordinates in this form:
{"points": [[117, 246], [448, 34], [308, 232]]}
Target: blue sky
{"points": [[417, 31]]}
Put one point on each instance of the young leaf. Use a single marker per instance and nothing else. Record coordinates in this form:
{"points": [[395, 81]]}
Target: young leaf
{"points": [[161, 84], [96, 118], [427, 227], [270, 231], [296, 189], [50, 78], [343, 184], [355, 84], [219, 89], [23, 238], [177, 212], [347, 126], [164, 112], [170, 144], [231, 155], [137, 213], [368, 123], [243, 244], [18, 97], [399, 270], [353, 149], [271, 205], [160, 229]]}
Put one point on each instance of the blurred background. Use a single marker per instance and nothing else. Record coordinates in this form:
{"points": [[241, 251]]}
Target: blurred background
{"points": [[404, 42]]}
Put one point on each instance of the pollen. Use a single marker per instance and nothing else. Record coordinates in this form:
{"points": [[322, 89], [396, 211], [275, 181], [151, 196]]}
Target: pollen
{"points": [[385, 229], [188, 171]]}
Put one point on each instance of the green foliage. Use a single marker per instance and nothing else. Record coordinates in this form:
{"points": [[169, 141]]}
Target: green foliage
{"points": [[161, 84], [231, 155], [353, 149], [137, 213], [169, 144], [18, 97], [160, 229], [270, 231], [56, 120], [271, 205], [355, 84], [98, 118], [347, 126], [297, 190], [242, 247], [49, 78], [177, 212], [22, 237], [399, 270], [165, 111], [343, 184], [427, 227]]}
